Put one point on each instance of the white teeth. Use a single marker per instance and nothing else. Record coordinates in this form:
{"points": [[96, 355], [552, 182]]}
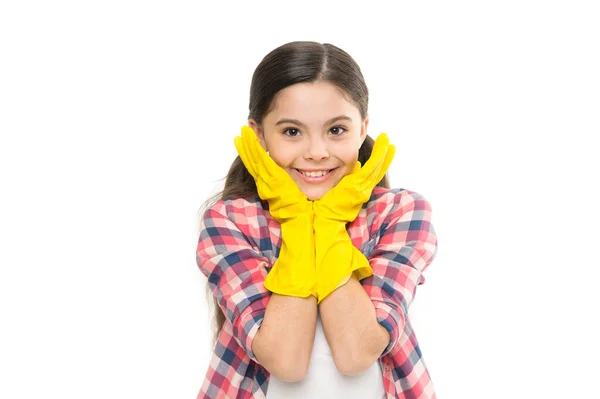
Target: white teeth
{"points": [[315, 174]]}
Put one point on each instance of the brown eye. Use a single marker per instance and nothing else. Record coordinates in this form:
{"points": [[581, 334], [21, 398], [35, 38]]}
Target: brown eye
{"points": [[291, 132], [338, 130]]}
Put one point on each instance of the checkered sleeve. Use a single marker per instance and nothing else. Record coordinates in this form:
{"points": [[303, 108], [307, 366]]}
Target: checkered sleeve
{"points": [[407, 245], [235, 270]]}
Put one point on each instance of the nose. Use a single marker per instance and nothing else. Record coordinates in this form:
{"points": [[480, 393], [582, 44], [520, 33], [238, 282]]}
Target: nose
{"points": [[317, 149]]}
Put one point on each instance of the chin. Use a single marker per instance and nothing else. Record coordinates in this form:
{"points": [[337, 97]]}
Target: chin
{"points": [[314, 195], [313, 192]]}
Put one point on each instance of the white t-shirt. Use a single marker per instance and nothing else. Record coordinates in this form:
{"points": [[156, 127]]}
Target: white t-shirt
{"points": [[323, 380]]}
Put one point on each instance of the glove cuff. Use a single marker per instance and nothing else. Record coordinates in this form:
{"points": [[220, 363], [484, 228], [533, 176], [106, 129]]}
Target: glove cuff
{"points": [[294, 272], [335, 262]]}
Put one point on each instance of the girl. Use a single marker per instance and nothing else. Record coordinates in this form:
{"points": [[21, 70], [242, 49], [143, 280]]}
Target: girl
{"points": [[313, 261]]}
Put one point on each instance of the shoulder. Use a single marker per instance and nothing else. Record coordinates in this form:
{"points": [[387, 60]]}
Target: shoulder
{"points": [[396, 196], [388, 204], [244, 219], [388, 209], [238, 210]]}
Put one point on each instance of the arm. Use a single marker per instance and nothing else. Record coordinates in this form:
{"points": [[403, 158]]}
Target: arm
{"points": [[236, 272], [355, 337], [407, 246], [284, 342]]}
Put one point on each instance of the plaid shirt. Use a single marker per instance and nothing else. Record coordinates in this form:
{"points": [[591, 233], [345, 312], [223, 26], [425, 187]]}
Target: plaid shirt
{"points": [[239, 243]]}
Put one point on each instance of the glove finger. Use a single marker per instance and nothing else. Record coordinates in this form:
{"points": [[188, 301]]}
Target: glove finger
{"points": [[358, 182], [272, 177], [377, 154], [381, 168], [370, 175], [363, 187], [380, 146], [389, 156], [249, 141], [372, 179], [265, 165], [352, 174], [248, 163]]}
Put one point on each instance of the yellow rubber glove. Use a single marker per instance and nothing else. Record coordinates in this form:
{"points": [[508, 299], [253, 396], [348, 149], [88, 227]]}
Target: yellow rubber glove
{"points": [[294, 272], [336, 256]]}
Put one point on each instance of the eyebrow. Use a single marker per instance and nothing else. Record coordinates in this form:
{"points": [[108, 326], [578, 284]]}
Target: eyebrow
{"points": [[297, 122]]}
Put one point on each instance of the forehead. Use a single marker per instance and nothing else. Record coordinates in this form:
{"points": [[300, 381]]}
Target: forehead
{"points": [[312, 102]]}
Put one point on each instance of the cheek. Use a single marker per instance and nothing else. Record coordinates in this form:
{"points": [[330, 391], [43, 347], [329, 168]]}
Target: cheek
{"points": [[349, 156], [281, 158]]}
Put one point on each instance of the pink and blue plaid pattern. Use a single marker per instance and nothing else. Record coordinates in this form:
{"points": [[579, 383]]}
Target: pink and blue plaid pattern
{"points": [[239, 243]]}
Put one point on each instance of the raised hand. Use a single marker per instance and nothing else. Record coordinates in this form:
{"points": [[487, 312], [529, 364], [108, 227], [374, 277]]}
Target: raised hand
{"points": [[294, 271], [336, 256]]}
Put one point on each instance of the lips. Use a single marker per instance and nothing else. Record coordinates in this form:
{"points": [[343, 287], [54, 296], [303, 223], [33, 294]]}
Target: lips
{"points": [[314, 173], [315, 176]]}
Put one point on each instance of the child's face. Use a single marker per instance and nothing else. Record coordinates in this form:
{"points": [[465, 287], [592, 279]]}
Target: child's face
{"points": [[312, 142]]}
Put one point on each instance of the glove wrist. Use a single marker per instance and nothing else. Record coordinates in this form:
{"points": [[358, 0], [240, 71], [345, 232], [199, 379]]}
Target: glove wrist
{"points": [[294, 273], [336, 256]]}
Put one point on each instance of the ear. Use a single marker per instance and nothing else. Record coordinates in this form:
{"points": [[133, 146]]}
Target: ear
{"points": [[259, 133], [363, 131]]}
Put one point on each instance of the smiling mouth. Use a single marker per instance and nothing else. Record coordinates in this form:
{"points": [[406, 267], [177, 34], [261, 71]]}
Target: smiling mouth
{"points": [[319, 173]]}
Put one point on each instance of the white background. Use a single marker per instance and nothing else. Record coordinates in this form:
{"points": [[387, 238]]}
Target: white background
{"points": [[117, 121]]}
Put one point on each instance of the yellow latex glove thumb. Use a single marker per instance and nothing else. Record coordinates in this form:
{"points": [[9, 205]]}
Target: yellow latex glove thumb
{"points": [[336, 256], [294, 271]]}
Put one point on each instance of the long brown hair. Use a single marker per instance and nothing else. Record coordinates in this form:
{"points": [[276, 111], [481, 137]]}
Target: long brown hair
{"points": [[291, 63]]}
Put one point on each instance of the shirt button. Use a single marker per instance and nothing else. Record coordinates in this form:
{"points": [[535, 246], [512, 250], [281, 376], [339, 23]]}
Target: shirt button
{"points": [[387, 368]]}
